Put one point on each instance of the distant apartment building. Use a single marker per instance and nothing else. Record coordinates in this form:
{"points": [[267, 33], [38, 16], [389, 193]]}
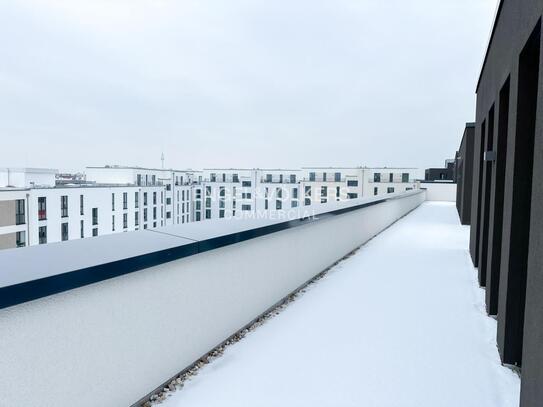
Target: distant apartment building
{"points": [[326, 184], [446, 173], [175, 185], [35, 208], [39, 206], [242, 192]]}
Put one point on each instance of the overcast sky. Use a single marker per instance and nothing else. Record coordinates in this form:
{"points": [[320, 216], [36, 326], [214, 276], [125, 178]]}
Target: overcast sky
{"points": [[238, 83]]}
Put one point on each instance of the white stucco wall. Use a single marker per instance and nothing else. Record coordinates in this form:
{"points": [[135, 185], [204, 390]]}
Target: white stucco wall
{"points": [[110, 343], [440, 191]]}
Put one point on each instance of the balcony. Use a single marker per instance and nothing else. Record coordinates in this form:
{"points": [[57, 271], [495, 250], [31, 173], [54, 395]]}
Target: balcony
{"points": [[322, 179], [277, 180], [395, 180], [377, 330], [226, 180], [398, 312]]}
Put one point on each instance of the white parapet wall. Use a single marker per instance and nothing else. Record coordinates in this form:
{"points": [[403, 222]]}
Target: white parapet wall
{"points": [[439, 191], [112, 342]]}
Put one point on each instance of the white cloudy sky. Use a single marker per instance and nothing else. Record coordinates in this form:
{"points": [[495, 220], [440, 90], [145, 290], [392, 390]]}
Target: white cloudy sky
{"points": [[252, 83]]}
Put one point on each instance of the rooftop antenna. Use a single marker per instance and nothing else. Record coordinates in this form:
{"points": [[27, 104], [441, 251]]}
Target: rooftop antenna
{"points": [[162, 159]]}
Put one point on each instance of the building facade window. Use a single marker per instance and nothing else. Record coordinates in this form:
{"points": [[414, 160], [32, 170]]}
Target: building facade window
{"points": [[42, 208], [246, 183], [64, 231], [82, 229], [391, 177], [145, 199], [20, 239], [20, 216], [112, 201], [245, 207], [136, 200], [208, 213], [375, 190], [352, 195], [377, 177], [81, 205], [136, 218], [221, 213], [337, 177], [113, 223], [64, 206], [405, 177], [338, 190], [145, 214], [352, 183], [95, 232], [125, 200], [324, 176], [154, 213], [293, 178], [278, 204], [95, 216], [154, 198], [42, 234], [390, 190], [295, 193], [324, 191], [311, 176], [125, 220]]}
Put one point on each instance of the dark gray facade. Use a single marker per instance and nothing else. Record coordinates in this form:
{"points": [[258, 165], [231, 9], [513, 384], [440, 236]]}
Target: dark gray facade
{"points": [[447, 173], [464, 174], [506, 242]]}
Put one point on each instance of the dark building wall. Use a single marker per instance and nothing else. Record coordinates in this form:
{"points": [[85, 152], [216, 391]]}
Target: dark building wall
{"points": [[506, 241], [439, 174], [464, 174]]}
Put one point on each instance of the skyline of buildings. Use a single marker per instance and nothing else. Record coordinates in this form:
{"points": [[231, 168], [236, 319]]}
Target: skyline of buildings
{"points": [[39, 206]]}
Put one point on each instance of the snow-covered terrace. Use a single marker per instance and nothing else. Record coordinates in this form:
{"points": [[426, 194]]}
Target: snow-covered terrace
{"points": [[399, 323]]}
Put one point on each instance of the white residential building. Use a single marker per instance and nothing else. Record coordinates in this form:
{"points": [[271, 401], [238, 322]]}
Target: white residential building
{"points": [[38, 206], [176, 187], [385, 180], [326, 184], [35, 209], [242, 192]]}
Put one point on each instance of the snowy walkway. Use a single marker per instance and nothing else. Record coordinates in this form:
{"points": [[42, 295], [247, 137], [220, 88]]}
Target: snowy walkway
{"points": [[399, 324]]}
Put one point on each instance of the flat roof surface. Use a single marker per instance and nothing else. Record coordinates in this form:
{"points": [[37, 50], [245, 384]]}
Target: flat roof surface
{"points": [[127, 167], [402, 322]]}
